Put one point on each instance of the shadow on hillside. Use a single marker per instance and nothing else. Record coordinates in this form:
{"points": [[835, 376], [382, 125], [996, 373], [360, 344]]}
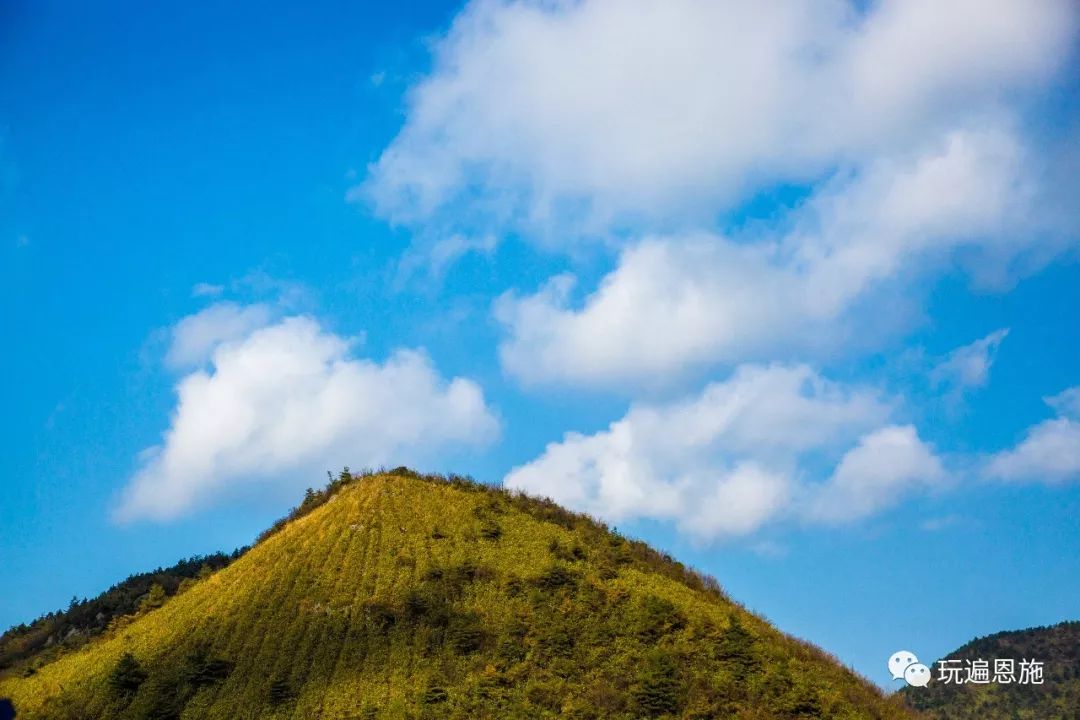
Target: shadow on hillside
{"points": [[7, 709]]}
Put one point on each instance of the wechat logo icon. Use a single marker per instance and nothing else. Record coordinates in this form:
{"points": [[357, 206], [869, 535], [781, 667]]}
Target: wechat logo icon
{"points": [[903, 665]]}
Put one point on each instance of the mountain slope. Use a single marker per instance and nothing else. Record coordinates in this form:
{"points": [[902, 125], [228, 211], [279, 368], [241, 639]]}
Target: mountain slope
{"points": [[397, 596], [1057, 698], [64, 629]]}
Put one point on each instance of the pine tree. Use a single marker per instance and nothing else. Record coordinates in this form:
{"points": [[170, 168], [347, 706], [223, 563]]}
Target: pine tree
{"points": [[657, 693], [154, 599], [736, 647], [202, 668], [127, 676]]}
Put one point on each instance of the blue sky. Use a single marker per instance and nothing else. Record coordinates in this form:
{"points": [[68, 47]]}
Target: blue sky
{"points": [[790, 293]]}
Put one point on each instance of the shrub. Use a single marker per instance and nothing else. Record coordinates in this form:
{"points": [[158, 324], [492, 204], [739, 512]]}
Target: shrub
{"points": [[417, 604], [555, 577], [281, 692], [658, 618], [434, 695], [466, 634], [490, 530], [154, 599], [736, 647], [201, 668], [127, 677], [566, 554], [559, 643], [657, 692], [163, 698], [456, 578], [382, 616]]}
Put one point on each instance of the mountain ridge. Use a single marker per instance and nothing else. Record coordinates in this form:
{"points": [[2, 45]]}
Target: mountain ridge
{"points": [[1057, 697], [397, 595]]}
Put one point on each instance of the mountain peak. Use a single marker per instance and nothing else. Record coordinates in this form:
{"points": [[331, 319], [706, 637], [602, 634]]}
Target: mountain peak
{"points": [[396, 595]]}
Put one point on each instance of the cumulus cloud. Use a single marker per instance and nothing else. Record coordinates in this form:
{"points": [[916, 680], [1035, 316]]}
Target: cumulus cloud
{"points": [[288, 399], [669, 304], [196, 336], [886, 465], [642, 122], [1050, 450], [969, 366], [608, 113], [673, 302], [735, 457], [656, 127]]}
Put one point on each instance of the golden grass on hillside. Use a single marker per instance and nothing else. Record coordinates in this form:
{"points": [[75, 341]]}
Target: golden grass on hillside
{"points": [[407, 597]]}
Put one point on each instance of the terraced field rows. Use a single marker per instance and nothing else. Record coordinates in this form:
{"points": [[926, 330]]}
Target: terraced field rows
{"points": [[403, 597]]}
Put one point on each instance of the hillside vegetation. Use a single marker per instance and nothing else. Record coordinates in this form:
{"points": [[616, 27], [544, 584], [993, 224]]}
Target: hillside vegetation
{"points": [[63, 630], [399, 596], [1057, 698]]}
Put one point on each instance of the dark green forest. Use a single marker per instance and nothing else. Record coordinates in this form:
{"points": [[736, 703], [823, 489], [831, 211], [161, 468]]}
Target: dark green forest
{"points": [[83, 619], [1056, 698]]}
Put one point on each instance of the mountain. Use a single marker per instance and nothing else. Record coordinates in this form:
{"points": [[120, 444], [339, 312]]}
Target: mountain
{"points": [[395, 595], [62, 630], [1057, 698]]}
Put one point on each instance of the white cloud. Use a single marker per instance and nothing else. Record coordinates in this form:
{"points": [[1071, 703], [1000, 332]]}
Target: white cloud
{"points": [[449, 249], [1050, 450], [676, 302], [739, 502], [1066, 403], [642, 122], [606, 113], [206, 290], [287, 400], [196, 337], [443, 253], [886, 465], [734, 458], [649, 125], [969, 366], [668, 304]]}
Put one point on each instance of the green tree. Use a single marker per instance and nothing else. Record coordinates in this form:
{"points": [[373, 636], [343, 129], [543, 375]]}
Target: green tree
{"points": [[202, 668], [154, 599], [127, 677], [659, 617], [736, 647], [657, 692]]}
